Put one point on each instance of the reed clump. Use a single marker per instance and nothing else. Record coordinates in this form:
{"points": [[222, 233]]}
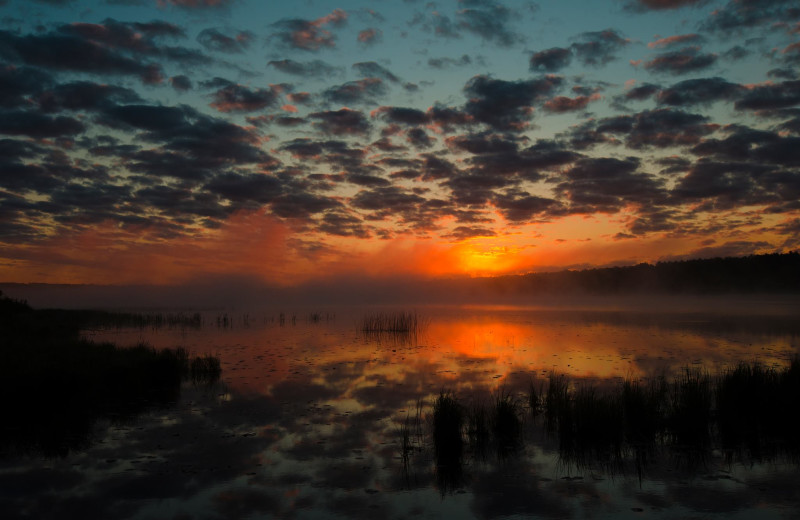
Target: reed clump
{"points": [[62, 384], [400, 321]]}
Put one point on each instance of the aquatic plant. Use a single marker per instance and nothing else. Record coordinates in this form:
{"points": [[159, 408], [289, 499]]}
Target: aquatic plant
{"points": [[400, 321], [448, 424], [506, 422], [478, 428]]}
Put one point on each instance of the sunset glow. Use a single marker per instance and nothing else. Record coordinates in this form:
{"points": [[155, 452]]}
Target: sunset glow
{"points": [[169, 141]]}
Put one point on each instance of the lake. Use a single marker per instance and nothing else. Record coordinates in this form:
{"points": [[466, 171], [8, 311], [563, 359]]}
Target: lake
{"points": [[315, 418]]}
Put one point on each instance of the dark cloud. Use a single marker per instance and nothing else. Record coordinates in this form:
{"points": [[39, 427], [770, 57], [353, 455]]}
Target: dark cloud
{"points": [[238, 98], [667, 127], [363, 91], [506, 105], [785, 73], [465, 232], [244, 188], [737, 15], [370, 69], [190, 145], [489, 20], [659, 128], [641, 92], [343, 224], [341, 122], [17, 84], [723, 185], [736, 53], [419, 138], [606, 184], [85, 95], [181, 83], [309, 35], [551, 60], [385, 144], [520, 206], [446, 118], [561, 104], [678, 39], [770, 96], [214, 40], [661, 5], [702, 91], [442, 26], [689, 59], [598, 48], [369, 36], [740, 144], [315, 68], [198, 4], [34, 124], [401, 115], [71, 53], [391, 199], [444, 63]]}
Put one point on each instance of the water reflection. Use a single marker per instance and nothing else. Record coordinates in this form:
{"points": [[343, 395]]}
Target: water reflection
{"points": [[320, 420]]}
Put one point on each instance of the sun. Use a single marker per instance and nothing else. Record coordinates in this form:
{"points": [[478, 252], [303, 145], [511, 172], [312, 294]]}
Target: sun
{"points": [[490, 260]]}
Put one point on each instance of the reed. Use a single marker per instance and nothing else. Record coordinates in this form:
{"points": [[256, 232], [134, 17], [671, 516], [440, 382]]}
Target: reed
{"points": [[506, 423], [400, 321]]}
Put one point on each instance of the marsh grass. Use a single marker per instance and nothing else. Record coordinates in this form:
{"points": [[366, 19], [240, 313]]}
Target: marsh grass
{"points": [[405, 322], [56, 386], [478, 428], [448, 442], [506, 423]]}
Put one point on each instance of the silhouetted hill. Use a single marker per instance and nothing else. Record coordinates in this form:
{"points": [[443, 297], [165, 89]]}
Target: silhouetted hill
{"points": [[770, 273]]}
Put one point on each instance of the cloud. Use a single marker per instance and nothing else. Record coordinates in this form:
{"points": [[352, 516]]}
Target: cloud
{"points": [[419, 138], [181, 83], [369, 36], [506, 105], [84, 95], [738, 15], [36, 125], [370, 69], [363, 91], [214, 40], [661, 5], [598, 48], [770, 96], [341, 122], [444, 63], [642, 92], [520, 206], [605, 184], [309, 35], [238, 98], [671, 41], [59, 52], [687, 60], [561, 104], [551, 60], [401, 115], [315, 68], [196, 4], [489, 20], [703, 91]]}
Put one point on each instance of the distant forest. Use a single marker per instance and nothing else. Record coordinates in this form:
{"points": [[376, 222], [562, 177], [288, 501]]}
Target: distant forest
{"points": [[770, 273]]}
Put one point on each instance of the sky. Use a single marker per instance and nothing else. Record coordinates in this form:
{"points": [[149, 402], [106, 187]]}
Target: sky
{"points": [[169, 141]]}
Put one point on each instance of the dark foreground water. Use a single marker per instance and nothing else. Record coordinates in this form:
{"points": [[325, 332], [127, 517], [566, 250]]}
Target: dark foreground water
{"points": [[315, 419]]}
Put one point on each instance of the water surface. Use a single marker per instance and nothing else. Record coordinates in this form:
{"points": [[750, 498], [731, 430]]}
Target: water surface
{"points": [[307, 421]]}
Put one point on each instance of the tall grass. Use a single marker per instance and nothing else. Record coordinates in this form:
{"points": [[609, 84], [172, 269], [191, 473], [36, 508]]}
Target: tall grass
{"points": [[400, 321], [448, 425], [57, 385]]}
